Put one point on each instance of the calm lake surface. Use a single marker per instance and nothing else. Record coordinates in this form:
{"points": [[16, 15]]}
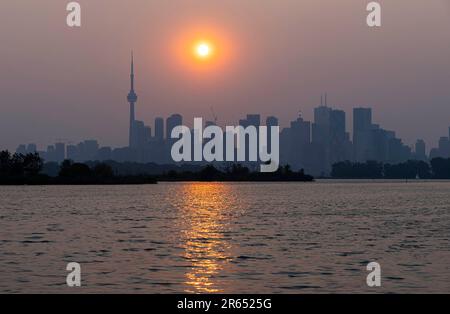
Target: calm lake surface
{"points": [[227, 237]]}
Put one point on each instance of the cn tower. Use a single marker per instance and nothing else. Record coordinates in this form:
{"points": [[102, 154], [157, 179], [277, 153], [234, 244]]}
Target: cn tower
{"points": [[132, 99]]}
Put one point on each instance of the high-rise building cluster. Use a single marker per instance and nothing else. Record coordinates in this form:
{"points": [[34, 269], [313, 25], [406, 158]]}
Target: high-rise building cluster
{"points": [[313, 146]]}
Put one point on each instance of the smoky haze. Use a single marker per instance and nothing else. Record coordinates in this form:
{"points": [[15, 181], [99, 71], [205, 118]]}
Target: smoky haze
{"points": [[71, 84]]}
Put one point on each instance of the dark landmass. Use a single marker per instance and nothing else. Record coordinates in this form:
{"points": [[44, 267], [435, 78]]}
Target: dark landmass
{"points": [[19, 169], [30, 169], [438, 168], [237, 173]]}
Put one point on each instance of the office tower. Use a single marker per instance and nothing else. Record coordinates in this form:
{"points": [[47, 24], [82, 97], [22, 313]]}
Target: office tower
{"points": [[420, 150], [60, 152], [104, 153], [72, 152], [320, 130], [301, 131], [21, 149], [254, 119], [132, 99], [444, 147], [31, 148], [329, 138], [298, 143], [142, 134], [91, 149], [397, 151], [337, 123], [250, 120], [272, 121], [172, 122], [362, 125], [51, 153], [362, 119], [159, 129], [340, 145], [379, 144]]}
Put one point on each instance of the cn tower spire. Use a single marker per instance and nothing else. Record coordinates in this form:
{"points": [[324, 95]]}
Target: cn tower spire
{"points": [[132, 71], [132, 99]]}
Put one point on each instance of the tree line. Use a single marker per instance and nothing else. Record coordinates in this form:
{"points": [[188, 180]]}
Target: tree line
{"points": [[19, 169], [437, 168], [25, 169], [236, 173]]}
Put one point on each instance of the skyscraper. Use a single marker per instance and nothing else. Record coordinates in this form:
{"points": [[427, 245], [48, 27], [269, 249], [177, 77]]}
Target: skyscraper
{"points": [[298, 143], [60, 152], [159, 129], [272, 121], [329, 137], [444, 147], [31, 148], [420, 150], [132, 99], [362, 126], [173, 121]]}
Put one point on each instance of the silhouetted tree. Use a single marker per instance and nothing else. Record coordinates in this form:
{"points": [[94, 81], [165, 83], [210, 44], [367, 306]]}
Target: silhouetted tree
{"points": [[350, 170], [103, 170], [74, 170], [441, 168], [287, 170], [17, 163], [32, 164], [238, 171], [210, 173], [5, 163], [65, 168]]}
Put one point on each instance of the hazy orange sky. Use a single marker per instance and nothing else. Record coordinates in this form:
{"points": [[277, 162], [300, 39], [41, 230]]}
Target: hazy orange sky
{"points": [[275, 57]]}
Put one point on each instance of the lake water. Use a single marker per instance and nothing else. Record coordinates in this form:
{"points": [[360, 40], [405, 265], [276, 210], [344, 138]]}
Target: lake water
{"points": [[227, 237]]}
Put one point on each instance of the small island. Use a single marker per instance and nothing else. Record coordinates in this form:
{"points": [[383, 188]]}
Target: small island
{"points": [[30, 169], [237, 173]]}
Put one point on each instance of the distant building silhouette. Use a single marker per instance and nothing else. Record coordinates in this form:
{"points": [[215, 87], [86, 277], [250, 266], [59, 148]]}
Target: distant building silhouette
{"points": [[159, 129], [420, 150], [60, 152], [172, 122], [362, 125]]}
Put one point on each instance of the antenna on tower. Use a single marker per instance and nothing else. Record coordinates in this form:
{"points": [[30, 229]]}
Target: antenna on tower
{"points": [[326, 100]]}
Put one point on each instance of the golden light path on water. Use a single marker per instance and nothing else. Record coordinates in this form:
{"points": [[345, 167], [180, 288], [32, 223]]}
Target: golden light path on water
{"points": [[206, 215]]}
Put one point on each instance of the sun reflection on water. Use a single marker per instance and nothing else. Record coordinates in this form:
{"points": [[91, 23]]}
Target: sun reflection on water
{"points": [[206, 212]]}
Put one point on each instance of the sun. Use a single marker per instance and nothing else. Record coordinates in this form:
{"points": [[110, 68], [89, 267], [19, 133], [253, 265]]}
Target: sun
{"points": [[203, 50]]}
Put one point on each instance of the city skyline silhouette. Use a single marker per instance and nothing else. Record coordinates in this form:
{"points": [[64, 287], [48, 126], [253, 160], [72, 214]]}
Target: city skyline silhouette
{"points": [[74, 90], [315, 146]]}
